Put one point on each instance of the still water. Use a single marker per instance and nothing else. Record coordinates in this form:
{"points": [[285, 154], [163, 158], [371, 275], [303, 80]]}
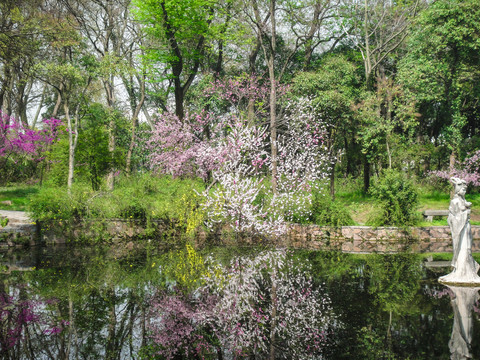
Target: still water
{"points": [[226, 303]]}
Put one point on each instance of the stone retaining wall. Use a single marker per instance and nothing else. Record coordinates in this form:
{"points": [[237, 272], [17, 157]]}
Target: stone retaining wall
{"points": [[355, 239], [364, 239]]}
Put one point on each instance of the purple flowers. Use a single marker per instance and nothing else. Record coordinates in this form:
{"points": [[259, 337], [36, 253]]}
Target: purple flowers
{"points": [[17, 139], [468, 170]]}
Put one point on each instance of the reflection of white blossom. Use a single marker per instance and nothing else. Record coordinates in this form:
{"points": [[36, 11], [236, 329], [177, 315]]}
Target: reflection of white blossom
{"points": [[267, 299]]}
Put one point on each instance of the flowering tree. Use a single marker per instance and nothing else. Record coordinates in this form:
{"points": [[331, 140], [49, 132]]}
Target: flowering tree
{"points": [[18, 143], [231, 151], [302, 166], [255, 306], [178, 147], [246, 96], [469, 170]]}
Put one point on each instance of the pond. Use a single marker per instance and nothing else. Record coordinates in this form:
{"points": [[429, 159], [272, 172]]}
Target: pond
{"points": [[226, 303]]}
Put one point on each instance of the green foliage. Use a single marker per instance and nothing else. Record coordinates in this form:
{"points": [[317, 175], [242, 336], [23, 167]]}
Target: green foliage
{"points": [[93, 159], [372, 345], [441, 69], [138, 198], [397, 197], [388, 120], [329, 213], [394, 280], [56, 204]]}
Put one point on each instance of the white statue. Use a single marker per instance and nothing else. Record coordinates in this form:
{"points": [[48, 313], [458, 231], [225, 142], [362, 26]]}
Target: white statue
{"points": [[465, 268]]}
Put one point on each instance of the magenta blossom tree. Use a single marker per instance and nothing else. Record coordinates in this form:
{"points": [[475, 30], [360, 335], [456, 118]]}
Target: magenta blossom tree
{"points": [[15, 138], [19, 143]]}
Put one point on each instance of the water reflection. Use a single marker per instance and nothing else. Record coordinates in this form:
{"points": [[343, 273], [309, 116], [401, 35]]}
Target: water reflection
{"points": [[96, 304], [463, 302]]}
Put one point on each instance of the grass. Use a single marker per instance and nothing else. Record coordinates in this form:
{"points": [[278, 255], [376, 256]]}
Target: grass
{"points": [[360, 206], [363, 206], [445, 256], [162, 194], [17, 195]]}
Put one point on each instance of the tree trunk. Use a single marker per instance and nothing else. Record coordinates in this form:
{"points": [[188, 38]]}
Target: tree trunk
{"points": [[71, 146], [273, 98], [332, 181], [136, 112], [366, 174], [109, 87]]}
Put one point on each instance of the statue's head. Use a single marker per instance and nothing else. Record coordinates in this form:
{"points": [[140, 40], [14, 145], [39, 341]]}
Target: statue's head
{"points": [[460, 185]]}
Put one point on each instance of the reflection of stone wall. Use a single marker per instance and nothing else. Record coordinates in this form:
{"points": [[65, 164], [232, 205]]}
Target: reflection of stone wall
{"points": [[383, 239], [357, 239]]}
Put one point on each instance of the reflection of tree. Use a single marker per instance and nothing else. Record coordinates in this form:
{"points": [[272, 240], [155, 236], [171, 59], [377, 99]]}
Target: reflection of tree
{"points": [[261, 306], [86, 306], [394, 282]]}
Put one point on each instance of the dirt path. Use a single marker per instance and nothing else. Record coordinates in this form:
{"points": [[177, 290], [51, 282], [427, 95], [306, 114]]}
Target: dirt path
{"points": [[16, 216]]}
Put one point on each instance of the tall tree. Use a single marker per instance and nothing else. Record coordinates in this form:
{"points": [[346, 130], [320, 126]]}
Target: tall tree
{"points": [[299, 29], [104, 24], [377, 28], [22, 31], [442, 69], [182, 31], [68, 70], [333, 90]]}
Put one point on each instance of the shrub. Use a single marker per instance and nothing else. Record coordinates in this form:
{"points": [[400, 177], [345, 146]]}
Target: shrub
{"points": [[398, 199], [56, 204], [329, 213], [142, 198]]}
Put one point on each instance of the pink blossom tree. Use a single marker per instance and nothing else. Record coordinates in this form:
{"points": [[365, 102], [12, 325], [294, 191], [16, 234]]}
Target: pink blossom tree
{"points": [[469, 170], [179, 148], [302, 166]]}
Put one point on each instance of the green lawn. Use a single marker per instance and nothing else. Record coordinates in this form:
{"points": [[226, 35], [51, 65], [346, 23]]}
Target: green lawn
{"points": [[17, 195], [360, 205]]}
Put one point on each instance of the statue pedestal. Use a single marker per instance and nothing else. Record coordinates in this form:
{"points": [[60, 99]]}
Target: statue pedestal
{"points": [[453, 279]]}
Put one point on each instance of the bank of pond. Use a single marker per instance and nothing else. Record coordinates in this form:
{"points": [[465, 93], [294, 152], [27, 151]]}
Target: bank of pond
{"points": [[66, 302]]}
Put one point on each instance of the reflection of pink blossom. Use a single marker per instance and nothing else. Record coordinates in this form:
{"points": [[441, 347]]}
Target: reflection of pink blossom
{"points": [[57, 329], [15, 315], [237, 309], [438, 294]]}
